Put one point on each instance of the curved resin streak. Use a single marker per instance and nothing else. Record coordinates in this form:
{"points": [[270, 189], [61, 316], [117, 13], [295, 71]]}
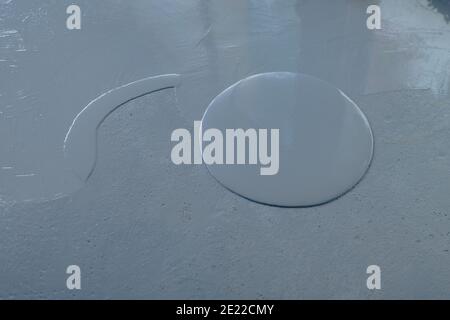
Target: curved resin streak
{"points": [[80, 143]]}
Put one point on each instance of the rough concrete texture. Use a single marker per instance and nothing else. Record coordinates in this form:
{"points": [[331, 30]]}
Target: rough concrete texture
{"points": [[144, 228]]}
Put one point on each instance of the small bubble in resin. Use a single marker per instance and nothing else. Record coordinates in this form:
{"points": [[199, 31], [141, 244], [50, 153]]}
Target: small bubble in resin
{"points": [[325, 141]]}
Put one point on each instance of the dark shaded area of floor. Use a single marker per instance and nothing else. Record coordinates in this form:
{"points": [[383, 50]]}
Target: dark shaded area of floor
{"points": [[443, 6]]}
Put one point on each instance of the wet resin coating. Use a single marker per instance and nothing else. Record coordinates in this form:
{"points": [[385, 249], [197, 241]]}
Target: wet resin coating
{"points": [[80, 144], [325, 141]]}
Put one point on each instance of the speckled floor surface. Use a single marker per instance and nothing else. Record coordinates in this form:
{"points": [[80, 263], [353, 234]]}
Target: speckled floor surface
{"points": [[142, 227]]}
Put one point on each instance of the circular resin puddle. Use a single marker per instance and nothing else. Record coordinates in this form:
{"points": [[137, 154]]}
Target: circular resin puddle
{"points": [[325, 142]]}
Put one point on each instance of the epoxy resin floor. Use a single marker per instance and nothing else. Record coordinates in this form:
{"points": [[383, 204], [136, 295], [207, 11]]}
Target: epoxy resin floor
{"points": [[141, 226]]}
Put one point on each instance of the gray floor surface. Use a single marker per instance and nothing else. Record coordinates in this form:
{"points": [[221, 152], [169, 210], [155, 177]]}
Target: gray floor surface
{"points": [[142, 227]]}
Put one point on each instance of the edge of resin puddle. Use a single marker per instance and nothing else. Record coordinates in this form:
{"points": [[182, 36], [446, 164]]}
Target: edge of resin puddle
{"points": [[80, 143], [326, 142]]}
